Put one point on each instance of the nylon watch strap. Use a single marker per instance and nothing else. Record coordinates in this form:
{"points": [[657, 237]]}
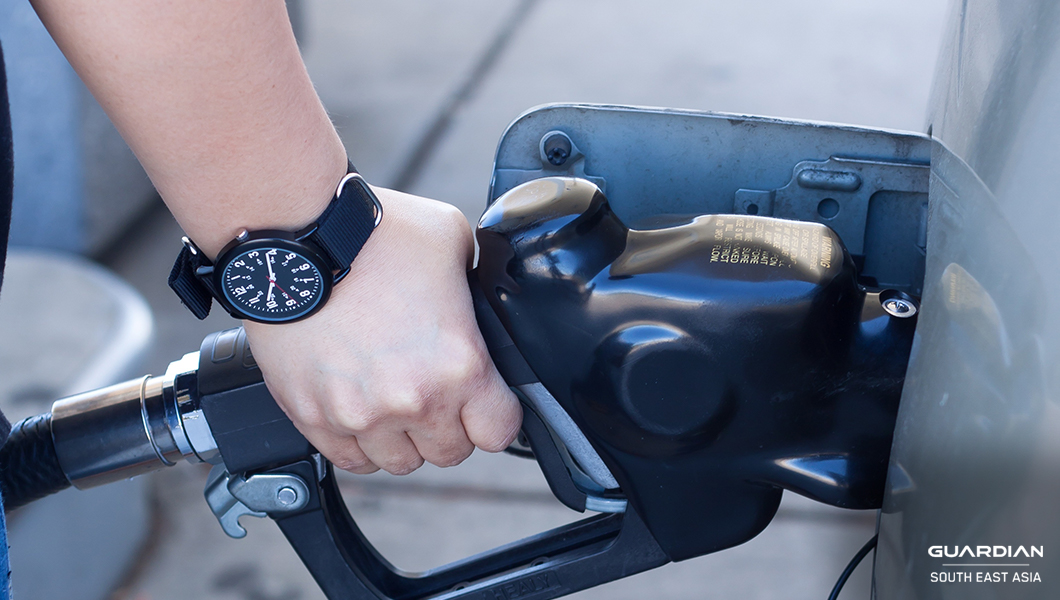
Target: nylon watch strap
{"points": [[346, 224]]}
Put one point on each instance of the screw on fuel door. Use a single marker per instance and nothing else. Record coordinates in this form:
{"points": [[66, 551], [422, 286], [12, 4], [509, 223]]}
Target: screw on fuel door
{"points": [[898, 304], [556, 148]]}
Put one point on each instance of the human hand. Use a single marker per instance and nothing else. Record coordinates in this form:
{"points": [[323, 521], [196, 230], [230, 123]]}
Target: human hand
{"points": [[393, 371]]}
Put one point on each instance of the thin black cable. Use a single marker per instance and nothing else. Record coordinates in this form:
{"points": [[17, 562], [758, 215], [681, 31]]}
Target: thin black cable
{"points": [[854, 562]]}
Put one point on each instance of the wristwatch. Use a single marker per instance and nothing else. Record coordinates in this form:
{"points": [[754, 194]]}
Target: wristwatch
{"points": [[275, 276]]}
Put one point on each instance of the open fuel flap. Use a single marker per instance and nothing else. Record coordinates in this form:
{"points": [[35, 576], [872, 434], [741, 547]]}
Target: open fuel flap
{"points": [[658, 165]]}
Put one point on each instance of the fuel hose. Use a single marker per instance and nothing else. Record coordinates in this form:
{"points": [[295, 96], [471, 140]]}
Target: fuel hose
{"points": [[29, 467]]}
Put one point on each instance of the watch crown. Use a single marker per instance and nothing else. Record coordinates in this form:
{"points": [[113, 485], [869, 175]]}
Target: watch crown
{"points": [[243, 235]]}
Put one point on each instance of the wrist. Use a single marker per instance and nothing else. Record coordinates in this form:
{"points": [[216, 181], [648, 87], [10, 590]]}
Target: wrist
{"points": [[261, 198], [276, 275]]}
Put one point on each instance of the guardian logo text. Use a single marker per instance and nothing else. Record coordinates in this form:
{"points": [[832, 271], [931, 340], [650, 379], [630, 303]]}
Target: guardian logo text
{"points": [[985, 551]]}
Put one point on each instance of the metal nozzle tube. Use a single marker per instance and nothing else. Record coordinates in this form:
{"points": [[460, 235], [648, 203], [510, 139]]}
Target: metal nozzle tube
{"points": [[127, 429]]}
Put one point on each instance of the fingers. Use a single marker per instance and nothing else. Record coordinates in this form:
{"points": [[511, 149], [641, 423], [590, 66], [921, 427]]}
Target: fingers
{"points": [[399, 426], [436, 432], [442, 432], [396, 433], [445, 446], [394, 452], [343, 451], [397, 453], [492, 418], [487, 423]]}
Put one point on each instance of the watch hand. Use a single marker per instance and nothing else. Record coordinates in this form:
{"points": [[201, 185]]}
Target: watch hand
{"points": [[272, 278], [272, 283], [284, 292]]}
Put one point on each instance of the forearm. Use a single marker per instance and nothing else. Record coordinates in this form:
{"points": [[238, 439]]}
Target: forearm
{"points": [[214, 99]]}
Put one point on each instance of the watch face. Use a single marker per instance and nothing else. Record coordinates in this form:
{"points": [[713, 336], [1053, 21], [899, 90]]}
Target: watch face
{"points": [[273, 284]]}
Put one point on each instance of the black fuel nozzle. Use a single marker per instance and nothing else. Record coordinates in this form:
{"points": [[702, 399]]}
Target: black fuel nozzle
{"points": [[712, 362]]}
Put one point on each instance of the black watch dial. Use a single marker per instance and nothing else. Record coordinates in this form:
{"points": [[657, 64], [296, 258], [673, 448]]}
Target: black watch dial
{"points": [[273, 284]]}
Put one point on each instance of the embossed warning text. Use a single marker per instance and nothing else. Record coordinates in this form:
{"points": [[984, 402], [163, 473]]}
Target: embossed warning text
{"points": [[771, 242]]}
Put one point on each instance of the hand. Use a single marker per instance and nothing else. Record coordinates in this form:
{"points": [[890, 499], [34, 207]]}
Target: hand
{"points": [[272, 278], [393, 371]]}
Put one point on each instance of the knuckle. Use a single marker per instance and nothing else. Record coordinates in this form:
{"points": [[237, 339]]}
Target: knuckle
{"points": [[411, 403], [454, 457], [356, 418], [495, 442], [465, 364], [355, 464], [366, 468], [501, 429], [404, 466], [453, 216], [312, 420], [301, 409], [457, 231]]}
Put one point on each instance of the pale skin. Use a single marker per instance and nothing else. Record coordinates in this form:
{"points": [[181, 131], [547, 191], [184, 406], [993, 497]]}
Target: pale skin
{"points": [[215, 101]]}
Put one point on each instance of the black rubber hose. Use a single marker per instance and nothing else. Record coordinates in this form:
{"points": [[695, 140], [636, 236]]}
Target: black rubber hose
{"points": [[29, 468]]}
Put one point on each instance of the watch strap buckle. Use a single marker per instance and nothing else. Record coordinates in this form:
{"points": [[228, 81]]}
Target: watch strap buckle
{"points": [[378, 217]]}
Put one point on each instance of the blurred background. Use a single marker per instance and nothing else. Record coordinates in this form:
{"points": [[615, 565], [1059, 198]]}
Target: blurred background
{"points": [[421, 92]]}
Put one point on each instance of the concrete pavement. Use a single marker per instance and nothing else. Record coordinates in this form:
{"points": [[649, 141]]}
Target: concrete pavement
{"points": [[421, 92]]}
